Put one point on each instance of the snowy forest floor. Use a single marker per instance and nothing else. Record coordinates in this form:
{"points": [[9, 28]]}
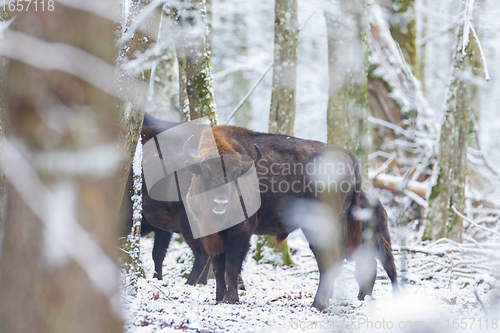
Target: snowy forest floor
{"points": [[279, 299]]}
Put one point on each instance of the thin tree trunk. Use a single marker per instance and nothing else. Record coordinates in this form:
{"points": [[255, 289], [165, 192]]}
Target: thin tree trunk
{"points": [[4, 16], [449, 190], [163, 76], [183, 95], [348, 96], [132, 87], [159, 79], [346, 70], [241, 84], [286, 33], [422, 51], [57, 268], [193, 24], [282, 112], [403, 29], [181, 64]]}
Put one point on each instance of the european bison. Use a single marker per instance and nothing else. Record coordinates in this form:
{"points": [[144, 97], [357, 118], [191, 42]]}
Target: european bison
{"points": [[164, 218], [212, 201]]}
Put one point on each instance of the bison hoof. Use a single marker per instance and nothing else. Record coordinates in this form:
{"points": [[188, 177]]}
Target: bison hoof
{"points": [[362, 296], [231, 300], [319, 306], [191, 283]]}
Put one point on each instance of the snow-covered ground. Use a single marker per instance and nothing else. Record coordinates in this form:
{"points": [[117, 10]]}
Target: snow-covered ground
{"points": [[279, 299]]}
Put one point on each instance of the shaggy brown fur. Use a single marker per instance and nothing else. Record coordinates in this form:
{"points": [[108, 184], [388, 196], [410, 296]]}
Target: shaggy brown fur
{"points": [[228, 248]]}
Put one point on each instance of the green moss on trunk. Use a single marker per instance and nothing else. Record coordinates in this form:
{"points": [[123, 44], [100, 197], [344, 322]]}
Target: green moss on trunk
{"points": [[449, 190], [404, 31], [193, 52], [347, 91]]}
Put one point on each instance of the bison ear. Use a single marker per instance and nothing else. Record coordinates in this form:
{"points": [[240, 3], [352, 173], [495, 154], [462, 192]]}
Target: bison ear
{"points": [[193, 168]]}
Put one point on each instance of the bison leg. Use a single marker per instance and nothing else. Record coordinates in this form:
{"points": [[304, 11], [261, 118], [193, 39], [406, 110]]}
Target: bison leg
{"points": [[219, 265], [365, 273], [161, 242], [329, 250], [237, 248], [329, 265], [385, 256], [200, 261]]}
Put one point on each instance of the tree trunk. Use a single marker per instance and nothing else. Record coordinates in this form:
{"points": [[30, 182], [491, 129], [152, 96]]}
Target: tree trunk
{"points": [[57, 268], [132, 86], [193, 40], [163, 76], [183, 96], [393, 92], [241, 84], [346, 71], [4, 16], [179, 37], [402, 24], [282, 112], [286, 33], [449, 190], [422, 50]]}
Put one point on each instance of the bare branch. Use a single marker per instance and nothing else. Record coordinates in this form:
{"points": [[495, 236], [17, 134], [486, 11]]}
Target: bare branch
{"points": [[474, 223], [262, 77], [248, 94], [483, 58], [438, 33]]}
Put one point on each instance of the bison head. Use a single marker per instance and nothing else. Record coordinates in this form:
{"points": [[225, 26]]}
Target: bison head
{"points": [[214, 172]]}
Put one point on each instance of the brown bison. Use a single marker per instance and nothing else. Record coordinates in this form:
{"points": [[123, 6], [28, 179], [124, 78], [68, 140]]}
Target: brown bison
{"points": [[164, 218], [284, 182]]}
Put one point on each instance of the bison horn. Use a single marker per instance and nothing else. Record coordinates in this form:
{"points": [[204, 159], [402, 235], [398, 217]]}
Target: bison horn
{"points": [[245, 166], [192, 159]]}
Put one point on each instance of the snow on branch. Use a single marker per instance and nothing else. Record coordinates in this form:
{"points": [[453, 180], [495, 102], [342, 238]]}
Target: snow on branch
{"points": [[140, 19], [474, 223], [393, 69], [481, 52], [468, 29], [399, 130], [445, 261], [475, 260]]}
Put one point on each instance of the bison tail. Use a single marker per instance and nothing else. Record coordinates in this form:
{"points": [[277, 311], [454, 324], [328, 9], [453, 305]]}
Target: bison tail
{"points": [[354, 228], [214, 244]]}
